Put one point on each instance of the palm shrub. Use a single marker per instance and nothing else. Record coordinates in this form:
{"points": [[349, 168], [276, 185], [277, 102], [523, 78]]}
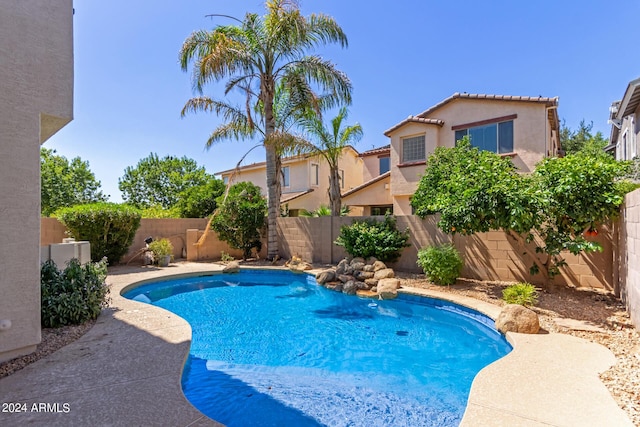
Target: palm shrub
{"points": [[520, 293], [372, 238], [441, 264], [109, 227], [74, 295]]}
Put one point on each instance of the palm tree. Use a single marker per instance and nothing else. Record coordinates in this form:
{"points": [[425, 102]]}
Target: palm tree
{"points": [[330, 144], [256, 57]]}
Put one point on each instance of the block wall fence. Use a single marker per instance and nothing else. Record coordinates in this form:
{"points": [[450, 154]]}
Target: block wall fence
{"points": [[488, 256]]}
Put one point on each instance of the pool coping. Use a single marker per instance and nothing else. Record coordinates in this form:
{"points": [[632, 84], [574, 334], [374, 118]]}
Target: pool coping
{"points": [[126, 370]]}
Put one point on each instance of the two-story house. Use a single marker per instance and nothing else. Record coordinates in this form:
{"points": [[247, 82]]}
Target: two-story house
{"points": [[373, 196], [521, 127], [304, 179], [625, 129]]}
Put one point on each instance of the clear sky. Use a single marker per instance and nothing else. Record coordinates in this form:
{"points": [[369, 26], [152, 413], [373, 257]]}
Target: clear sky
{"points": [[403, 57]]}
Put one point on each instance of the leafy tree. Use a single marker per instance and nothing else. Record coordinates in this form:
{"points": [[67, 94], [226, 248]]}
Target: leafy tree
{"points": [[372, 238], [574, 141], [200, 201], [240, 217], [65, 183], [156, 181], [477, 191], [330, 144], [256, 57], [324, 211]]}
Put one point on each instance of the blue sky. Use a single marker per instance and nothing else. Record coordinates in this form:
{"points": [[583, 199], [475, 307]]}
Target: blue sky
{"points": [[403, 57]]}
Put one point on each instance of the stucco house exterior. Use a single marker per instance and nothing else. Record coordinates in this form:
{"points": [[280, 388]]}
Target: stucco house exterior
{"points": [[304, 180], [625, 129], [521, 127], [373, 196], [36, 100]]}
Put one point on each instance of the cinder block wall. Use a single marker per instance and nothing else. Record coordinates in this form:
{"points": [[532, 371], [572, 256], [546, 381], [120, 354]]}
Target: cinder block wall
{"points": [[628, 257]]}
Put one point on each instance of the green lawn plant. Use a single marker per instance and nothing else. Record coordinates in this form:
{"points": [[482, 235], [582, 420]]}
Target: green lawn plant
{"points": [[520, 293], [441, 264], [373, 238], [74, 295], [161, 248], [109, 227]]}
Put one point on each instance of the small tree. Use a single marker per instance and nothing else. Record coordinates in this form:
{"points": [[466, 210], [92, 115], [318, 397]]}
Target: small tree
{"points": [[200, 201], [65, 183], [240, 217], [158, 182], [371, 238], [477, 191]]}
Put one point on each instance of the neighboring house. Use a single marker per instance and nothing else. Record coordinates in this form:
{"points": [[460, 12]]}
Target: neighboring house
{"points": [[521, 127], [625, 129], [304, 180], [373, 197], [36, 100]]}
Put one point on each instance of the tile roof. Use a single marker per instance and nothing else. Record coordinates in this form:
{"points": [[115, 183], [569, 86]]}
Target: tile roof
{"points": [[548, 101], [626, 106], [385, 149], [287, 197], [415, 119], [366, 184]]}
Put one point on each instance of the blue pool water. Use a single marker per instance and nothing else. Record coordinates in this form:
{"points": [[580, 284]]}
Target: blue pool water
{"points": [[273, 348]]}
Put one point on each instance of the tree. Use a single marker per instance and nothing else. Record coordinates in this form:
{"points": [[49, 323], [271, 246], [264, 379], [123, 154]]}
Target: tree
{"points": [[574, 141], [200, 201], [240, 217], [257, 57], [477, 191], [156, 181], [65, 183], [330, 144]]}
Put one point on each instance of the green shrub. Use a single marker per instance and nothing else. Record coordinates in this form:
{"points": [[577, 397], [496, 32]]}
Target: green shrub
{"points": [[74, 295], [240, 217], [520, 293], [442, 264], [109, 227], [371, 238]]}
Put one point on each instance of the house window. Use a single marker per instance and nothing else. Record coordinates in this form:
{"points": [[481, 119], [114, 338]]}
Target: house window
{"points": [[315, 174], [385, 164], [413, 149], [285, 176], [341, 178], [225, 180], [382, 210], [495, 137]]}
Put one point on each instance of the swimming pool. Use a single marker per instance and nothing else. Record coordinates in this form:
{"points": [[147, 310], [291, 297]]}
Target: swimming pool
{"points": [[274, 348]]}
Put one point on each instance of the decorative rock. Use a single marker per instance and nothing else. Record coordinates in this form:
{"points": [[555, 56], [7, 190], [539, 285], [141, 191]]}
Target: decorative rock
{"points": [[366, 294], [232, 267], [357, 266], [299, 268], [350, 288], [344, 278], [342, 267], [357, 260], [362, 275], [333, 286], [388, 288], [371, 282], [385, 273], [367, 268], [362, 285], [379, 265], [326, 276], [517, 318]]}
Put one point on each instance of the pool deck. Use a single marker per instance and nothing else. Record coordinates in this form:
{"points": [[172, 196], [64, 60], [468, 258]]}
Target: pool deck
{"points": [[126, 371]]}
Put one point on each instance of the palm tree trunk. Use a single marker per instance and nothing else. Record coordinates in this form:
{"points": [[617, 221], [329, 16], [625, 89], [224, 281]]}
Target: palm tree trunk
{"points": [[273, 172], [334, 191]]}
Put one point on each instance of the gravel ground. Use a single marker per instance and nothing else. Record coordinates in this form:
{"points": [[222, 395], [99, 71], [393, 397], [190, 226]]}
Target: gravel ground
{"points": [[601, 318]]}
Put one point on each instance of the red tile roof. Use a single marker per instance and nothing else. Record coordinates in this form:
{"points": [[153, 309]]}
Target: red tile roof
{"points": [[386, 149]]}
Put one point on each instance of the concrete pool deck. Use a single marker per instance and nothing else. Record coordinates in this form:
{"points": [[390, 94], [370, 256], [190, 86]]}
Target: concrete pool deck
{"points": [[126, 371]]}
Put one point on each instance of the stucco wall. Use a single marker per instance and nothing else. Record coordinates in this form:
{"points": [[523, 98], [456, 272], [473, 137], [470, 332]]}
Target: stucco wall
{"points": [[36, 100], [628, 259]]}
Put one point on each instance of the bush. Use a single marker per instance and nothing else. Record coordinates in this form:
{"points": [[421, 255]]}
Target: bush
{"points": [[109, 227], [72, 296], [442, 264], [371, 238], [240, 218], [520, 293]]}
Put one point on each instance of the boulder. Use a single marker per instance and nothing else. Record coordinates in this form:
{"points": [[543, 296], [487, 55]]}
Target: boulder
{"points": [[371, 282], [334, 286], [388, 288], [366, 294], [350, 288], [300, 267], [379, 265], [232, 267], [385, 273], [342, 267], [362, 275], [517, 318], [357, 260], [325, 276], [357, 266], [344, 278], [368, 267], [362, 285]]}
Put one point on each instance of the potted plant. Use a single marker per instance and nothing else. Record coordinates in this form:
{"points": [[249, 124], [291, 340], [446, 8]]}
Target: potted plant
{"points": [[162, 250]]}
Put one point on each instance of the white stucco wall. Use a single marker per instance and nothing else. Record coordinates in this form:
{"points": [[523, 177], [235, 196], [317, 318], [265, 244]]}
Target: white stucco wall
{"points": [[36, 100]]}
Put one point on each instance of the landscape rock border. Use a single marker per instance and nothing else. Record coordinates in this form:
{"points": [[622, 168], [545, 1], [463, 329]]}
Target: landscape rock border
{"points": [[367, 278]]}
